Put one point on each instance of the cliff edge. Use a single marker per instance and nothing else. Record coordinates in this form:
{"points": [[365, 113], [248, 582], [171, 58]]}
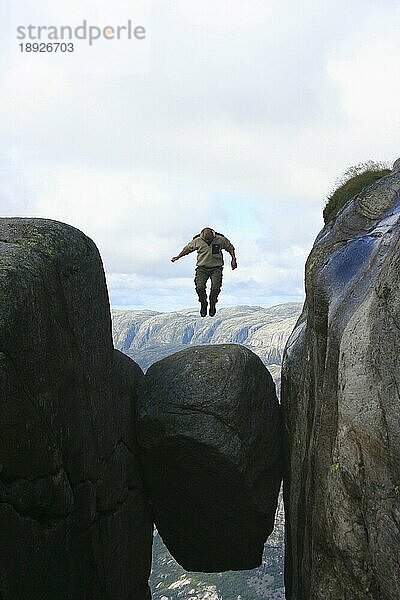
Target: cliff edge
{"points": [[340, 395], [73, 516]]}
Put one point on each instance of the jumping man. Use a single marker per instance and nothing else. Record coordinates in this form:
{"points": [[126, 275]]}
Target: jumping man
{"points": [[209, 246]]}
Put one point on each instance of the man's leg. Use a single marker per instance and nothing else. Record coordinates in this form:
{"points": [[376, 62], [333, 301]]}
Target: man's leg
{"points": [[200, 281], [216, 282]]}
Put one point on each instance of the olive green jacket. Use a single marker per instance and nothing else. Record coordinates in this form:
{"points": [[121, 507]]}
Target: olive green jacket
{"points": [[209, 254]]}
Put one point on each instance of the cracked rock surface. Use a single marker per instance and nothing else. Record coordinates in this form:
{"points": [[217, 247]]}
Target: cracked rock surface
{"points": [[340, 394], [209, 429], [73, 517]]}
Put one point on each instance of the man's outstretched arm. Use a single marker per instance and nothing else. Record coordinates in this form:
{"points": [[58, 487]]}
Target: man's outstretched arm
{"points": [[183, 252]]}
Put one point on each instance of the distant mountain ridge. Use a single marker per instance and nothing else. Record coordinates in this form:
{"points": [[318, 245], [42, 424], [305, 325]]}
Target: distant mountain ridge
{"points": [[148, 336]]}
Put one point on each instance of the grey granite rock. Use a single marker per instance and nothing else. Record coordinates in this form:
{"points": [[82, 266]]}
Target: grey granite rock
{"points": [[340, 394], [73, 518], [210, 435]]}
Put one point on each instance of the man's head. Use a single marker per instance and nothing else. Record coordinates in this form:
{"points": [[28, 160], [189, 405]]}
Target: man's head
{"points": [[207, 234]]}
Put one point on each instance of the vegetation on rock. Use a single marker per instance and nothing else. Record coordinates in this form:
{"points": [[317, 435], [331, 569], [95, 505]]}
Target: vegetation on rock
{"points": [[355, 179]]}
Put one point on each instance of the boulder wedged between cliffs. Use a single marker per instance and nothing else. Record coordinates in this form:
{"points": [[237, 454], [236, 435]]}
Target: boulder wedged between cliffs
{"points": [[78, 493], [209, 430]]}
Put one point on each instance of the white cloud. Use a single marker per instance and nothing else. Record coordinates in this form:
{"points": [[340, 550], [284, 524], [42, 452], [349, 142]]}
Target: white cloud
{"points": [[368, 77], [248, 114]]}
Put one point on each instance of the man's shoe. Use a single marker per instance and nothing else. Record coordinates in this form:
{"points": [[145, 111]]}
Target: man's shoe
{"points": [[212, 310], [203, 309]]}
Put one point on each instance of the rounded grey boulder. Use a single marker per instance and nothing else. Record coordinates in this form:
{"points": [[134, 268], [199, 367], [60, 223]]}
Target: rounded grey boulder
{"points": [[209, 429]]}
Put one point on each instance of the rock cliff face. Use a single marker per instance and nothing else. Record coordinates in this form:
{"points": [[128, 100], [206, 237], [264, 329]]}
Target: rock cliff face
{"points": [[340, 390], [73, 517], [210, 435], [74, 514]]}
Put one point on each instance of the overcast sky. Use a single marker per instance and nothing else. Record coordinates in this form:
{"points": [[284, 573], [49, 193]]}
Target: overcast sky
{"points": [[237, 114]]}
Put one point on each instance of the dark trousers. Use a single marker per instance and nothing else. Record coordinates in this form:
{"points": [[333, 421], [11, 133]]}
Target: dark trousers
{"points": [[200, 280]]}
